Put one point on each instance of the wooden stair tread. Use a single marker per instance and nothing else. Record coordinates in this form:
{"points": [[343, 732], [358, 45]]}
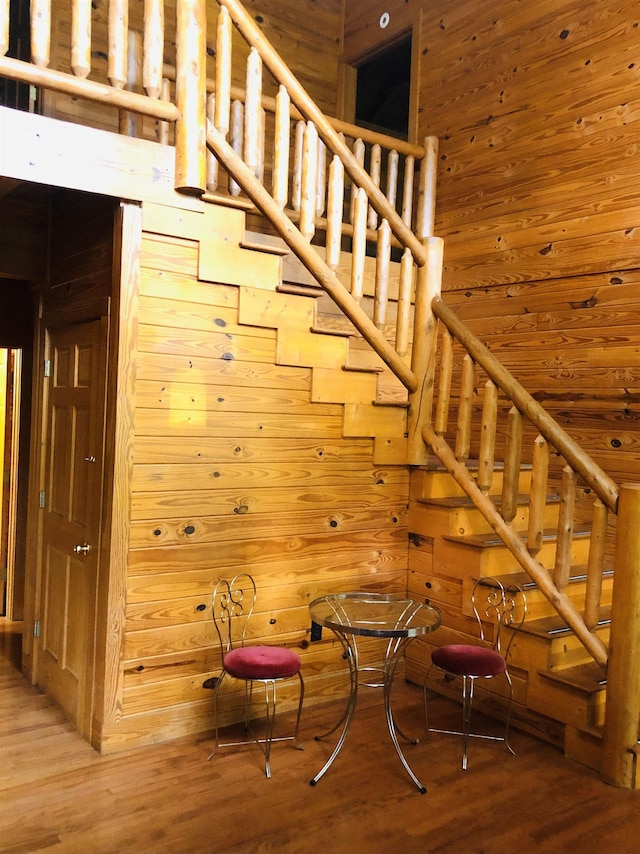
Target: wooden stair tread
{"points": [[434, 464], [590, 677], [577, 573], [217, 198], [487, 541], [462, 500], [555, 626], [265, 243]]}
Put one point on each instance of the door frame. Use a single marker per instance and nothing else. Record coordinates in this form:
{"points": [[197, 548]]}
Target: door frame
{"points": [[361, 43]]}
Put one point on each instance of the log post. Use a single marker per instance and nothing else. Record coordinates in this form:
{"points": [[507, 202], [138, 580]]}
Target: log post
{"points": [[191, 96], [618, 763], [428, 286]]}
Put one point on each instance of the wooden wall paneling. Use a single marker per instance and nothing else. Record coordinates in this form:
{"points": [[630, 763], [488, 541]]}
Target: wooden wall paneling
{"points": [[365, 29], [236, 468], [23, 239], [210, 528], [118, 460]]}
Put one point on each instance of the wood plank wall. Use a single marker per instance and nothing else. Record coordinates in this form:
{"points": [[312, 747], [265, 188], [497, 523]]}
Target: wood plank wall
{"points": [[536, 109], [307, 34], [236, 468]]}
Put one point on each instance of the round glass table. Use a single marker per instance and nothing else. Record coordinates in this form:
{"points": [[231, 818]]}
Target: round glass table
{"points": [[393, 619]]}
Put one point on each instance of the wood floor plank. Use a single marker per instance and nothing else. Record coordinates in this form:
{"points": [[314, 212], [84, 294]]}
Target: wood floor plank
{"points": [[59, 796]]}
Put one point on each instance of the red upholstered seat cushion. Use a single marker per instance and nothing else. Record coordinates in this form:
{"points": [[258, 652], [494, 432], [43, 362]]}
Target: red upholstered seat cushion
{"points": [[261, 662], [468, 660]]}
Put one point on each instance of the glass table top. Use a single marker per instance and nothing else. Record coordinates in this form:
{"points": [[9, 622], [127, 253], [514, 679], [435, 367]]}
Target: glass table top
{"points": [[374, 615]]}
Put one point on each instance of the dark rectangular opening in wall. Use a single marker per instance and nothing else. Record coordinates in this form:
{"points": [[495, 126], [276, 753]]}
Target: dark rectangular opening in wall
{"points": [[382, 90], [15, 93]]}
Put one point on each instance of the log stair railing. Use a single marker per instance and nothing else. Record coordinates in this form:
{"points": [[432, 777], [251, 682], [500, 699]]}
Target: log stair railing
{"points": [[194, 120]]}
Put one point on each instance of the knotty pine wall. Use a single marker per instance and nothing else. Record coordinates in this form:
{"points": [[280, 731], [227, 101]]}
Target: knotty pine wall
{"points": [[537, 110], [240, 464]]}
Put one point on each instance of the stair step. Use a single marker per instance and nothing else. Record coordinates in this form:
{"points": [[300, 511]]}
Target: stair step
{"points": [[265, 243], [489, 541], [555, 627], [458, 516], [590, 677], [228, 201], [463, 501], [485, 554], [434, 481]]}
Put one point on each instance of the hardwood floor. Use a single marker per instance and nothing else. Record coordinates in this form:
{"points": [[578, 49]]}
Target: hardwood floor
{"points": [[59, 795]]}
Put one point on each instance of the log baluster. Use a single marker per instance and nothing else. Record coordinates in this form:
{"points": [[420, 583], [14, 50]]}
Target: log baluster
{"points": [[252, 107], [321, 178], [358, 153], [512, 460], [392, 177], [595, 564], [403, 315], [162, 126], [308, 181], [383, 260], [236, 138], [564, 542], [153, 47], [224, 30], [375, 166], [407, 192], [41, 33], [538, 500], [463, 432], [262, 129], [282, 133], [444, 385], [335, 202], [488, 436], [81, 38], [118, 41], [130, 124], [296, 189], [359, 247], [212, 162]]}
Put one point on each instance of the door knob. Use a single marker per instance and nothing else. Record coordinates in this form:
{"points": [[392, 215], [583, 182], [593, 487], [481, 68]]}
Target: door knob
{"points": [[82, 550]]}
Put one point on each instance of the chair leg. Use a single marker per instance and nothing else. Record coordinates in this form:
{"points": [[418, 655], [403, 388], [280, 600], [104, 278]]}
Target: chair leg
{"points": [[467, 702], [215, 714], [270, 719], [508, 721]]}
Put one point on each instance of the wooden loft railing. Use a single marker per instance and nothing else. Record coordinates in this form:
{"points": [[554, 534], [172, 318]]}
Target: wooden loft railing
{"points": [[508, 419], [387, 220], [346, 201]]}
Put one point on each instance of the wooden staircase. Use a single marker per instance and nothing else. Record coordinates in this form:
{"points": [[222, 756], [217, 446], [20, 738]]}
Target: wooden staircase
{"points": [[559, 690]]}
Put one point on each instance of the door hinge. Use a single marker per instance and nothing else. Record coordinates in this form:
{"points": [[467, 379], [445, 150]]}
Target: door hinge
{"points": [[36, 629], [47, 367], [42, 499]]}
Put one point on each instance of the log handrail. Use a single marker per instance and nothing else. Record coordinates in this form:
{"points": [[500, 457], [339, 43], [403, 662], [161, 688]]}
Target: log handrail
{"points": [[297, 242], [311, 112], [552, 582], [560, 601], [597, 479]]}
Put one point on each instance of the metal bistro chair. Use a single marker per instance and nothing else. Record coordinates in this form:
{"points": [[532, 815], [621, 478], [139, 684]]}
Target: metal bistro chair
{"points": [[233, 604], [505, 607]]}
